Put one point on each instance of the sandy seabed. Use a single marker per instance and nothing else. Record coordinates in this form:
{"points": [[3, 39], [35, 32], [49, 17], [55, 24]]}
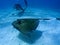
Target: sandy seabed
{"points": [[47, 32]]}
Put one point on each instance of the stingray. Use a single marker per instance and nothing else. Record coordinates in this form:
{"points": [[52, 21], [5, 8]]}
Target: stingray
{"points": [[26, 25]]}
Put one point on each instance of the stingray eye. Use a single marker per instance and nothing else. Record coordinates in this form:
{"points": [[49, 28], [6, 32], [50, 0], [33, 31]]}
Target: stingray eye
{"points": [[19, 21]]}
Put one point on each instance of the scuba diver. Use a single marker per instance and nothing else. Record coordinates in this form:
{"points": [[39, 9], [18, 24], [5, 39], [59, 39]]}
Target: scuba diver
{"points": [[19, 8]]}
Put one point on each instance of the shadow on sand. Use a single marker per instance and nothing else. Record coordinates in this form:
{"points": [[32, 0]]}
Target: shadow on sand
{"points": [[31, 37]]}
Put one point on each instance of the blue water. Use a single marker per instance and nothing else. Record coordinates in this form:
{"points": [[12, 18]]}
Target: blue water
{"points": [[47, 32], [33, 3]]}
